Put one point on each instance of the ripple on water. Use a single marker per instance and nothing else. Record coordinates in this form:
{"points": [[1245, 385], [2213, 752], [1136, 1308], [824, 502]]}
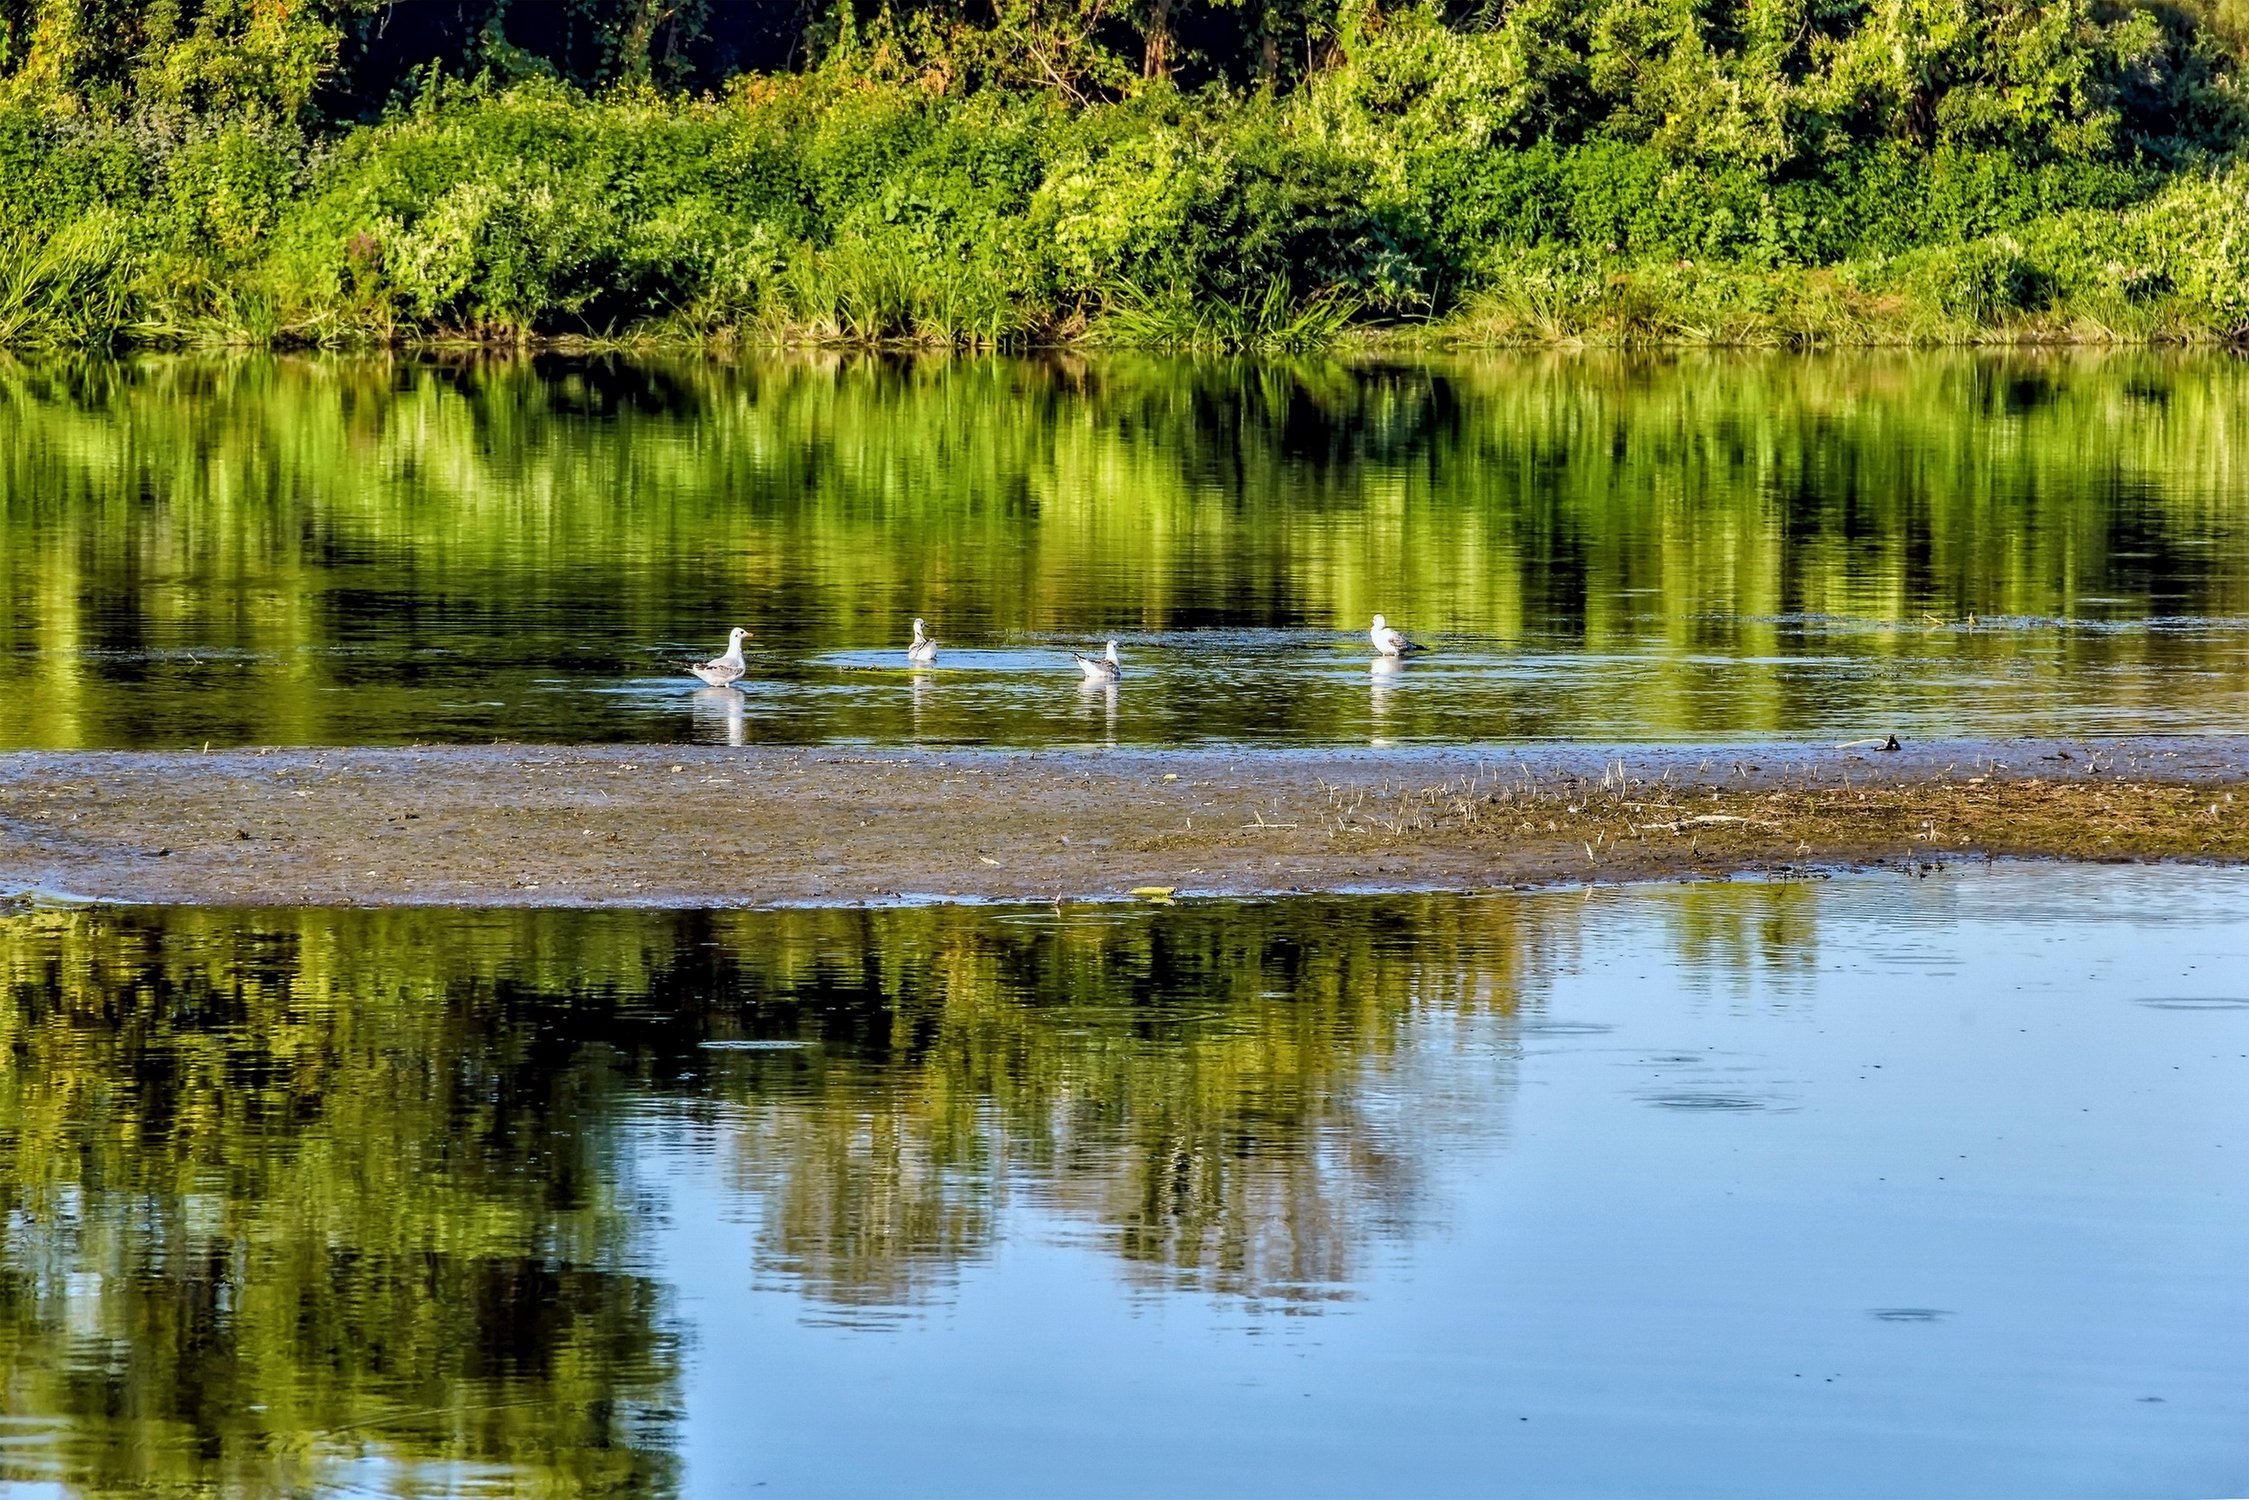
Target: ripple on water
{"points": [[755, 1044], [1909, 1314], [1710, 1100], [2194, 1002]]}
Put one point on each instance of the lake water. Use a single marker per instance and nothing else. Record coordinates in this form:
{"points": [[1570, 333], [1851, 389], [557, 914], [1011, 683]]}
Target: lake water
{"points": [[1708, 548], [1876, 1186]]}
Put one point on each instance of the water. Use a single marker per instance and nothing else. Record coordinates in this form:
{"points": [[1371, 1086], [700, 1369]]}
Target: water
{"points": [[1877, 1186], [1873, 1186], [1710, 548]]}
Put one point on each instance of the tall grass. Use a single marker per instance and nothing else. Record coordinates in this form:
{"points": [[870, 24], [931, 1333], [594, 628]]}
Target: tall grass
{"points": [[1277, 322], [70, 286], [874, 292]]}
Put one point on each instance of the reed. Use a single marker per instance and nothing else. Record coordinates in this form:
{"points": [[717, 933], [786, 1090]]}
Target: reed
{"points": [[68, 287]]}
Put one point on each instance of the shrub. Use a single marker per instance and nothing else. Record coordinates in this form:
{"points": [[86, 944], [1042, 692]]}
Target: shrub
{"points": [[1980, 282]]}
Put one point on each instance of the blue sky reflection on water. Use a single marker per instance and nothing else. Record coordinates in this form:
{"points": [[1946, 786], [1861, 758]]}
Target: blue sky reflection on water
{"points": [[1903, 1187]]}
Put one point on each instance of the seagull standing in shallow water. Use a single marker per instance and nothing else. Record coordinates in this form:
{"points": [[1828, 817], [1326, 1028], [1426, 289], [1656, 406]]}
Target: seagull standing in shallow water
{"points": [[720, 671], [1391, 642], [1102, 668], [923, 652]]}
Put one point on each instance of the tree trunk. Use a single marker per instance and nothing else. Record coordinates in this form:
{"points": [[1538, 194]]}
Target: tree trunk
{"points": [[1155, 56]]}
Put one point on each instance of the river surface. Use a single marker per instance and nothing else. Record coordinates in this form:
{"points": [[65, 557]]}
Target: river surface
{"points": [[1876, 1186], [1708, 548]]}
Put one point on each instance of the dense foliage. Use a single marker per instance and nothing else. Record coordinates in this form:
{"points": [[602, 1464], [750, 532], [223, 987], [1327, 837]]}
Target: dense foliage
{"points": [[1161, 171]]}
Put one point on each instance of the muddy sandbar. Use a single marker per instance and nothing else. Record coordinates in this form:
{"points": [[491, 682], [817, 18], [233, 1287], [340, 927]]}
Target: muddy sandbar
{"points": [[680, 826]]}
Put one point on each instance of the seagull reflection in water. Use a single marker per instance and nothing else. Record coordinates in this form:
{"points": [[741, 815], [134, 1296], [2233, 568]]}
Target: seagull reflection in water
{"points": [[1095, 691], [1383, 677], [918, 704], [720, 713]]}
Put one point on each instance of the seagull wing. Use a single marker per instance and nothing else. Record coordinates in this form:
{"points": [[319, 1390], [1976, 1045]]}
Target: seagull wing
{"points": [[718, 671]]}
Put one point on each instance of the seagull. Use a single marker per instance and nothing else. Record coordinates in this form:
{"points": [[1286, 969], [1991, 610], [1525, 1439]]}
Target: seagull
{"points": [[923, 652], [720, 671], [1390, 642], [1102, 668]]}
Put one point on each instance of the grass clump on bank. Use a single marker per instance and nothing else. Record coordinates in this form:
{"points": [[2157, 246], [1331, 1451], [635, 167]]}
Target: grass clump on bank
{"points": [[1612, 171]]}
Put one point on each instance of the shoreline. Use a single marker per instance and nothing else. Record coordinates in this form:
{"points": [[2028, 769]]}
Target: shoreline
{"points": [[679, 826], [1468, 337]]}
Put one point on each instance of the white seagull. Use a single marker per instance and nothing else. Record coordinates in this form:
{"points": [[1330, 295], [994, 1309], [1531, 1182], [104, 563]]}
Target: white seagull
{"points": [[1102, 668], [1391, 642], [720, 671], [923, 651]]}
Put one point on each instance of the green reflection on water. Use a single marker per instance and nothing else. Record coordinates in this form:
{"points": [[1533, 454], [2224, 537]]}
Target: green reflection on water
{"points": [[285, 1193], [333, 551]]}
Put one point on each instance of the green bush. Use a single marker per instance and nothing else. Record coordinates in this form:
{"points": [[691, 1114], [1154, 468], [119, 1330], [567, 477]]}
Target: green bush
{"points": [[54, 171], [225, 192], [1612, 169]]}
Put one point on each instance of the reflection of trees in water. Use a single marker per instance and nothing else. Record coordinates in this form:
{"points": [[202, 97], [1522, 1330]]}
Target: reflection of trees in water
{"points": [[269, 1203], [1683, 505], [1193, 1086], [282, 1189], [1211, 1091], [1765, 935]]}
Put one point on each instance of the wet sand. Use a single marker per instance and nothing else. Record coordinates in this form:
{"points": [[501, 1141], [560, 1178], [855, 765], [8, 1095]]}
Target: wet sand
{"points": [[679, 826]]}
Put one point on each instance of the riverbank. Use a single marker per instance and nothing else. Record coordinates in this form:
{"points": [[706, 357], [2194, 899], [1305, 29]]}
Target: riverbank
{"points": [[679, 826], [1796, 311]]}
